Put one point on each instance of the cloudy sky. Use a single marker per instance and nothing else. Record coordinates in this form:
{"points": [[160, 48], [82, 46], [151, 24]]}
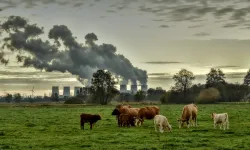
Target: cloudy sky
{"points": [[159, 36]]}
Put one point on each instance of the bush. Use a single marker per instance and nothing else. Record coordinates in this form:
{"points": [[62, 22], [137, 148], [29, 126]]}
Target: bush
{"points": [[74, 100], [207, 96], [140, 96], [165, 98]]}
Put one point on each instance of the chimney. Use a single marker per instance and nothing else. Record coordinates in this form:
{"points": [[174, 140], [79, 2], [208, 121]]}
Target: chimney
{"points": [[123, 88], [55, 89], [66, 91], [77, 88], [134, 88], [144, 87]]}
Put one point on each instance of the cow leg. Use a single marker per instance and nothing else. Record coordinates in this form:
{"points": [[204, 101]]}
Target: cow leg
{"points": [[156, 126], [214, 125], [91, 125], [82, 125], [227, 125], [195, 121], [161, 128]]}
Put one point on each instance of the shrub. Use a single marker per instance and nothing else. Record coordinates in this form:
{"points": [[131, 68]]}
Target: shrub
{"points": [[74, 100], [140, 96], [165, 98], [210, 95]]}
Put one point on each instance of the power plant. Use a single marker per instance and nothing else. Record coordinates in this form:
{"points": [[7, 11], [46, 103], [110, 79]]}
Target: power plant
{"points": [[123, 88], [55, 89], [144, 87], [133, 88], [66, 91], [77, 89], [85, 90]]}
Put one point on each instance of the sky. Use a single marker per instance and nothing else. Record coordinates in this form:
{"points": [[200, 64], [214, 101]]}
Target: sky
{"points": [[159, 36]]}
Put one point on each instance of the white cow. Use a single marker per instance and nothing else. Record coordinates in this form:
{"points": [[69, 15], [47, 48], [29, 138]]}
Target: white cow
{"points": [[221, 119], [162, 123]]}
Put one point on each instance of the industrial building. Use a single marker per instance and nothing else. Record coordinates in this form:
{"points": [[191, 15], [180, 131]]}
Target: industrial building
{"points": [[66, 91], [144, 87], [133, 88], [77, 88], [55, 89], [123, 88]]}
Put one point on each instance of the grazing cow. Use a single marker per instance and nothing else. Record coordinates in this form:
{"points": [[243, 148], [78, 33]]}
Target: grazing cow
{"points": [[148, 113], [125, 109], [162, 123], [189, 113], [88, 118], [126, 120], [221, 119]]}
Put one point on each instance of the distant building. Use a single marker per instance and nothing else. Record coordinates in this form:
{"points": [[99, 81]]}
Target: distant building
{"points": [[55, 89], [77, 88], [66, 91]]}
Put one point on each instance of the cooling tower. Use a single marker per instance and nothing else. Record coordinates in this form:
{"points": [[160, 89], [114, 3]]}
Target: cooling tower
{"points": [[134, 88], [144, 87], [123, 88], [77, 88], [66, 91], [55, 89]]}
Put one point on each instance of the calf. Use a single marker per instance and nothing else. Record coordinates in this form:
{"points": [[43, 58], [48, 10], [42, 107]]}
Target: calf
{"points": [[126, 120], [162, 123], [221, 119], [88, 118]]}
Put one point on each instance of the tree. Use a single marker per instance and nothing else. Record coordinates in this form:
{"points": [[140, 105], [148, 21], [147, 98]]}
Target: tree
{"points": [[103, 86], [183, 80], [8, 97], [215, 77], [247, 79], [155, 94], [140, 95], [210, 95], [17, 97]]}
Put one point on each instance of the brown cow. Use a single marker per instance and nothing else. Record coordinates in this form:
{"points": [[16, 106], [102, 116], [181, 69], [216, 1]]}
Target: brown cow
{"points": [[148, 113], [88, 118], [189, 113], [126, 120], [125, 109]]}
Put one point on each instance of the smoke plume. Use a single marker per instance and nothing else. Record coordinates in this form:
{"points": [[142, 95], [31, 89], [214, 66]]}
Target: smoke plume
{"points": [[78, 59]]}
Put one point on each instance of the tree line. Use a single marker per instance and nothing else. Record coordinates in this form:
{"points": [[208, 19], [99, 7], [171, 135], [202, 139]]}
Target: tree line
{"points": [[103, 90]]}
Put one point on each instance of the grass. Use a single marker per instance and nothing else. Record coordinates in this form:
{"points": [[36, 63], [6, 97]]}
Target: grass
{"points": [[57, 127]]}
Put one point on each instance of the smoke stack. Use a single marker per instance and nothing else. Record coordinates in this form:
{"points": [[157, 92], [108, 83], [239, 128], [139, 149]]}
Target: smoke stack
{"points": [[123, 88], [66, 91], [55, 89], [144, 87], [77, 88], [134, 88]]}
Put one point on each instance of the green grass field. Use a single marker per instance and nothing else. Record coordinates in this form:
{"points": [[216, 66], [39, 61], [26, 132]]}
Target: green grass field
{"points": [[58, 127]]}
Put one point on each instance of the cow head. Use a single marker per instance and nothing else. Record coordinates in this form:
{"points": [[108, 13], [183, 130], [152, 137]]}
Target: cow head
{"points": [[212, 115], [181, 122], [116, 112], [98, 117]]}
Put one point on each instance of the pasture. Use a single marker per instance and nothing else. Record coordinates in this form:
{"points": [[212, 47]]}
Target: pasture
{"points": [[57, 127]]}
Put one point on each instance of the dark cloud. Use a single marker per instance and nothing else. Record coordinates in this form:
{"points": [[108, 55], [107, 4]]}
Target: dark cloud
{"points": [[158, 20], [77, 59], [221, 67], [196, 26], [201, 34], [111, 11], [158, 74], [163, 26], [163, 62]]}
